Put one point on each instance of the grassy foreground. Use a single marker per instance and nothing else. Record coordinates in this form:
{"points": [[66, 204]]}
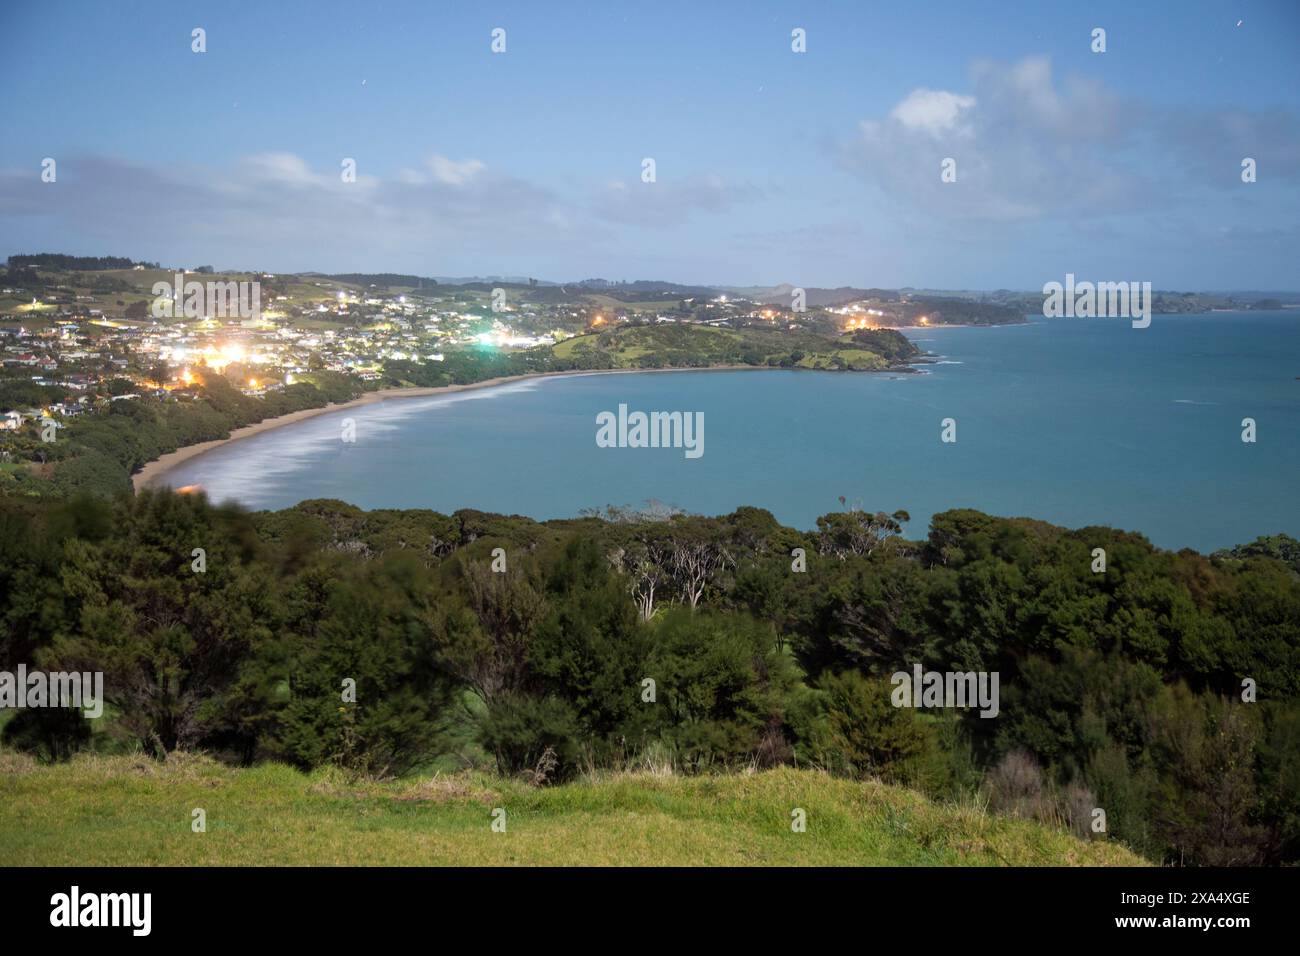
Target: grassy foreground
{"points": [[133, 811]]}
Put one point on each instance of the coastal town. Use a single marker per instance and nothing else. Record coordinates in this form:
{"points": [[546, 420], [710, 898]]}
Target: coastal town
{"points": [[196, 352], [77, 340], [107, 363]]}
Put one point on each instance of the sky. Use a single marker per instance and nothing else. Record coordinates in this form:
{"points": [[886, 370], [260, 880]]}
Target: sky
{"points": [[816, 168]]}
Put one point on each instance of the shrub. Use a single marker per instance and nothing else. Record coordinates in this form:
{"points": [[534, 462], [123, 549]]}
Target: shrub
{"points": [[865, 734], [721, 685], [522, 731]]}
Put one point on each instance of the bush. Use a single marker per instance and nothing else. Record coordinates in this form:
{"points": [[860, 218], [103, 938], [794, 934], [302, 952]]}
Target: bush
{"points": [[526, 733], [865, 735], [49, 734], [721, 686], [362, 627]]}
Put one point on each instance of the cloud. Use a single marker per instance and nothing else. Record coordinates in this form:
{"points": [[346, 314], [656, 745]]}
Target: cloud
{"points": [[277, 169], [281, 211], [933, 111], [440, 169], [1210, 144], [285, 213], [669, 202], [1030, 147]]}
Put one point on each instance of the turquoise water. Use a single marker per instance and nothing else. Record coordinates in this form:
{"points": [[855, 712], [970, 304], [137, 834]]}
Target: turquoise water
{"points": [[1077, 422]]}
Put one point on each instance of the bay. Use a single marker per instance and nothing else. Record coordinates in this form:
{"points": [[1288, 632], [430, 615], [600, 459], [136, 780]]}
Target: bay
{"points": [[1077, 422]]}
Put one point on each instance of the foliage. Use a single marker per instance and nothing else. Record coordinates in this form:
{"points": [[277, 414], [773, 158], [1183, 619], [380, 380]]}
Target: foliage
{"points": [[1163, 691]]}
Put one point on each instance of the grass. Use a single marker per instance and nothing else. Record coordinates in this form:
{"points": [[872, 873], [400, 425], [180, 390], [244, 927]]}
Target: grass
{"points": [[119, 810]]}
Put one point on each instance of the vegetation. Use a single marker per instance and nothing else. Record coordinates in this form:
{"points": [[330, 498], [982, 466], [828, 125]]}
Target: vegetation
{"points": [[696, 346], [97, 453], [52, 260], [395, 643], [126, 811]]}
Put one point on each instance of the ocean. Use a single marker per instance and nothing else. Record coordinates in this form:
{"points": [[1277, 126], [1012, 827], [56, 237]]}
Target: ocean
{"points": [[1073, 421]]}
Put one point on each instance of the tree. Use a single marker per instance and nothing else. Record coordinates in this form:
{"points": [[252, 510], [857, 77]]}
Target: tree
{"points": [[695, 555], [170, 641], [857, 532], [485, 640], [866, 735]]}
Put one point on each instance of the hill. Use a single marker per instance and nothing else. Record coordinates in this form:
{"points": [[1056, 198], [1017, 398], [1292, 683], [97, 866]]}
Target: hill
{"points": [[673, 345], [128, 811]]}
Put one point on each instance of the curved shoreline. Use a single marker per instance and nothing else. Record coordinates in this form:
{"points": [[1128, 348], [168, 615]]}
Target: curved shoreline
{"points": [[153, 473]]}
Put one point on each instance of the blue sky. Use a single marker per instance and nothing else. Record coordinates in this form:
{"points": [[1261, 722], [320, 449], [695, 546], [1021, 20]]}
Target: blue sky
{"points": [[818, 169]]}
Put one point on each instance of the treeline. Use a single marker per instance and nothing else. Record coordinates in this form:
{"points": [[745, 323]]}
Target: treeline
{"points": [[1161, 691], [672, 345], [467, 366], [385, 279], [97, 452], [64, 263], [941, 310]]}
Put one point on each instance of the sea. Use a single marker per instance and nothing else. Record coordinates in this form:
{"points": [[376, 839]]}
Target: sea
{"points": [[1073, 421]]}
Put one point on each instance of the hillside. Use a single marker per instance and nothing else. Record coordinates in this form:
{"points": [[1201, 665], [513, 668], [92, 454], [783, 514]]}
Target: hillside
{"points": [[134, 811], [671, 345]]}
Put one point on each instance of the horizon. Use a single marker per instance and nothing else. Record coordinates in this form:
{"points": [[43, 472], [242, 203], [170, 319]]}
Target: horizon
{"points": [[820, 169], [712, 286]]}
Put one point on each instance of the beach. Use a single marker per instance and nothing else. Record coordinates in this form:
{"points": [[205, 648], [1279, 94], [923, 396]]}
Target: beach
{"points": [[152, 473]]}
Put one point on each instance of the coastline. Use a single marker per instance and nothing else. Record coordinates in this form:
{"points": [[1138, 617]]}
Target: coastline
{"points": [[153, 473]]}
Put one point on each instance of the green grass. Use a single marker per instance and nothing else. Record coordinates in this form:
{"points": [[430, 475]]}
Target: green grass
{"points": [[133, 811]]}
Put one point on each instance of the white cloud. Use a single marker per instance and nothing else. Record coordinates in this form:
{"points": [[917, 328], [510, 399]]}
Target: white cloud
{"points": [[933, 111], [453, 173], [1025, 147]]}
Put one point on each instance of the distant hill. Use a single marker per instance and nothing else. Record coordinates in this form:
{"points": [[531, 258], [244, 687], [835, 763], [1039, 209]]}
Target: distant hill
{"points": [[59, 262], [700, 346], [1170, 302], [813, 297], [388, 280], [643, 289], [493, 280]]}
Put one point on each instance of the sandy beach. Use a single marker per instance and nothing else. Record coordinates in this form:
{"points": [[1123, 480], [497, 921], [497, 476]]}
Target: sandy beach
{"points": [[154, 472]]}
